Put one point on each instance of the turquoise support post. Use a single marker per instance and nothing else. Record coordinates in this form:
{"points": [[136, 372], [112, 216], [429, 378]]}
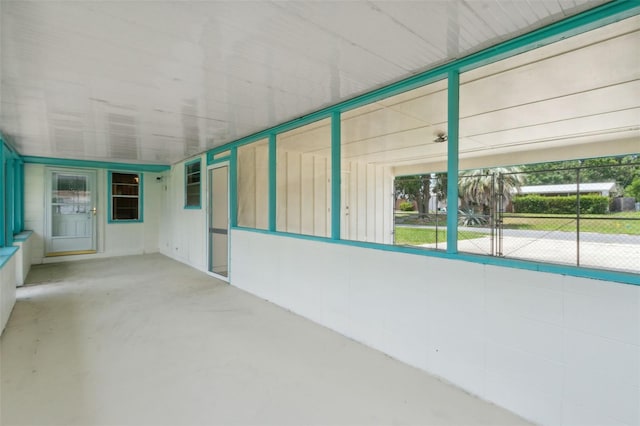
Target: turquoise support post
{"points": [[335, 174], [272, 182], [3, 186], [9, 197], [19, 197], [453, 106], [233, 187]]}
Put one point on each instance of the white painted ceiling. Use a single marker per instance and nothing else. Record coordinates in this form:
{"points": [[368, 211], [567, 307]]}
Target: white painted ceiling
{"points": [[158, 81], [576, 98]]}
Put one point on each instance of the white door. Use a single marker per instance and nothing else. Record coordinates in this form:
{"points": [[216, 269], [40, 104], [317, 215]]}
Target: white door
{"points": [[219, 221], [71, 212]]}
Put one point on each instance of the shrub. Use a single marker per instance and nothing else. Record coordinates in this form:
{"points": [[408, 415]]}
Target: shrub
{"points": [[406, 206], [471, 218], [589, 204]]}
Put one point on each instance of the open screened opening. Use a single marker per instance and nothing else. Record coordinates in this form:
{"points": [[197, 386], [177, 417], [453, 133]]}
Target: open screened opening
{"points": [[303, 178], [253, 185], [578, 101], [573, 104], [401, 130]]}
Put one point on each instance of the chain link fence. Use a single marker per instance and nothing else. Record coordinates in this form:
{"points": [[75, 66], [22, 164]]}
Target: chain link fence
{"points": [[580, 216]]}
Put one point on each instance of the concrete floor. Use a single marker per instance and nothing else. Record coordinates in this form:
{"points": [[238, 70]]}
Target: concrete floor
{"points": [[145, 340]]}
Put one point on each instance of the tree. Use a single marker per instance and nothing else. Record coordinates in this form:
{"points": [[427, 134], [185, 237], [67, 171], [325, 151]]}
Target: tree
{"points": [[477, 187], [421, 188], [621, 169], [415, 188], [633, 189]]}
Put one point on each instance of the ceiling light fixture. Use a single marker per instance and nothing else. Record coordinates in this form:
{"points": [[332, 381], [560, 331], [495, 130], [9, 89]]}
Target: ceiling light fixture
{"points": [[441, 137]]}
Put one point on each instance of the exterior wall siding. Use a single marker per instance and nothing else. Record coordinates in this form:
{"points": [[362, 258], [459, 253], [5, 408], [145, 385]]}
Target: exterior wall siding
{"points": [[183, 232]]}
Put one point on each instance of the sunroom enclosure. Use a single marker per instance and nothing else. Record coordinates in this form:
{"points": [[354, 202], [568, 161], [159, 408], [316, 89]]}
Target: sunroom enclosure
{"points": [[309, 223], [330, 175]]}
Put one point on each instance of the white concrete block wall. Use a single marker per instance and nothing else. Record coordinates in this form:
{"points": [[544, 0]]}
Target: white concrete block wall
{"points": [[7, 290], [23, 258], [554, 349], [113, 239]]}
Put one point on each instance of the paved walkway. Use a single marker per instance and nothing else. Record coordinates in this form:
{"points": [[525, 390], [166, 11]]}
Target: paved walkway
{"points": [[145, 340], [612, 256]]}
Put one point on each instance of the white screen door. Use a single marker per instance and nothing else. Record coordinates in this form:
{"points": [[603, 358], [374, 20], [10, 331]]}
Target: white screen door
{"points": [[219, 221], [71, 212]]}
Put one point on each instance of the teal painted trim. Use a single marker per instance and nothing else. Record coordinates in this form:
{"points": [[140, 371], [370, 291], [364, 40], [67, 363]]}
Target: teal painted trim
{"points": [[22, 236], [63, 162], [219, 160], [9, 196], [19, 202], [589, 20], [140, 199], [5, 254], [210, 154], [233, 187], [597, 274], [453, 124], [585, 21], [3, 188], [272, 182], [336, 173], [193, 206], [281, 128]]}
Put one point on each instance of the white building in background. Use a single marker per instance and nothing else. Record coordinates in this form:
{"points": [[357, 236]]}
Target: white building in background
{"points": [[606, 189]]}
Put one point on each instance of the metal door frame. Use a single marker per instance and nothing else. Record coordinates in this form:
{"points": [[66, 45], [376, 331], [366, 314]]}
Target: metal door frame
{"points": [[210, 170]]}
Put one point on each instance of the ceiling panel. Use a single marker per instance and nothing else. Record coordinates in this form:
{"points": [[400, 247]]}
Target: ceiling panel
{"points": [[158, 81]]}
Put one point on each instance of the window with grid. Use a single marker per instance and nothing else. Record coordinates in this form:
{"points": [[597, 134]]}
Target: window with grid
{"points": [[192, 185], [126, 196]]}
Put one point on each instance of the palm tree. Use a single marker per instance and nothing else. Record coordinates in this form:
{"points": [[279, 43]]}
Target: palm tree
{"points": [[480, 186]]}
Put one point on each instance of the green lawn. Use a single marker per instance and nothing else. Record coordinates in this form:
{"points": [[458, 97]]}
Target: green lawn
{"points": [[417, 236], [614, 223]]}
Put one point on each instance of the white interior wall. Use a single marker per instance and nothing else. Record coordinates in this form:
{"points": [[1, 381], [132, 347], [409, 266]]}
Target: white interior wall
{"points": [[183, 232], [367, 202], [113, 239], [554, 349]]}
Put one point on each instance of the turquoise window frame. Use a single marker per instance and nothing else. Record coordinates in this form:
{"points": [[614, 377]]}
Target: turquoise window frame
{"points": [[11, 193], [110, 218], [589, 20], [18, 202], [188, 206], [9, 196], [3, 199]]}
